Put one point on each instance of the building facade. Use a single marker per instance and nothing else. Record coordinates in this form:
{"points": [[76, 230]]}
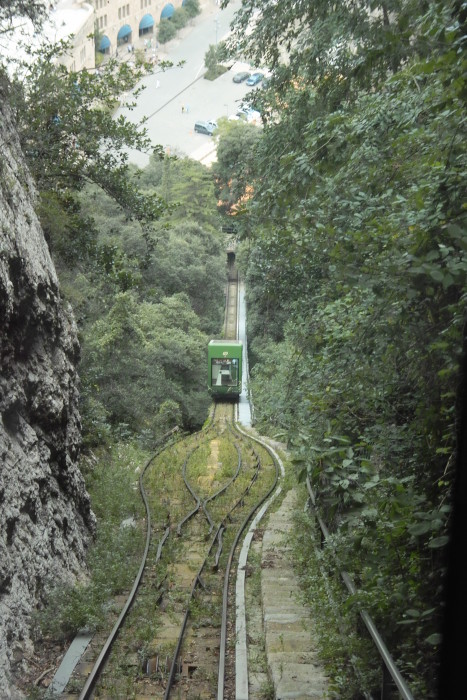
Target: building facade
{"points": [[124, 24], [121, 25]]}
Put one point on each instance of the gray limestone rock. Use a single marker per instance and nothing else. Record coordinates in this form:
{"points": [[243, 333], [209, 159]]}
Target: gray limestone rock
{"points": [[46, 520]]}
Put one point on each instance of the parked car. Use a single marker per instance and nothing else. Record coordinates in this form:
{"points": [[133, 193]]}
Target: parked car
{"points": [[254, 79], [240, 77], [248, 115], [204, 128]]}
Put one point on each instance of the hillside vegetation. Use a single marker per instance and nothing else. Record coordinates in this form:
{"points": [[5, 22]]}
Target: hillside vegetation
{"points": [[355, 261], [139, 253]]}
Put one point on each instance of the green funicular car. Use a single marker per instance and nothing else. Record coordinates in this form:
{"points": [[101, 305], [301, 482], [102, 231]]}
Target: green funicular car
{"points": [[225, 368]]}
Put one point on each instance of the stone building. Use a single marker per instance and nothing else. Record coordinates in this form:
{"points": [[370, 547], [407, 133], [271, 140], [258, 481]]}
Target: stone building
{"points": [[128, 23]]}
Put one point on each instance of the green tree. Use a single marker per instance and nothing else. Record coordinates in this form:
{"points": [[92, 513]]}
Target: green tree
{"points": [[12, 10], [192, 8], [68, 133], [139, 356], [186, 185], [166, 30], [234, 170], [190, 260], [213, 58]]}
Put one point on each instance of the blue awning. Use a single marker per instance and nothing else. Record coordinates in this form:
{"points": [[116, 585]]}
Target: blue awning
{"points": [[124, 31], [168, 11], [147, 22], [104, 43]]}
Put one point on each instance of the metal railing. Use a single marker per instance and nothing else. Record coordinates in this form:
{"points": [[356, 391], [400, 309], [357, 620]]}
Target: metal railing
{"points": [[390, 669]]}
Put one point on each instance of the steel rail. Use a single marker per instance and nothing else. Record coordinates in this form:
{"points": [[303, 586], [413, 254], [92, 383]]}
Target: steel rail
{"points": [[218, 538], [192, 513], [225, 599], [219, 547], [202, 504], [254, 453], [97, 669], [384, 652], [188, 517], [231, 309], [230, 482], [102, 658], [196, 582]]}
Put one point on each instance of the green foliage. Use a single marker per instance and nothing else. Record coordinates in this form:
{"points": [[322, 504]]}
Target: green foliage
{"points": [[166, 30], [186, 186], [168, 27], [145, 280], [356, 281], [130, 384], [192, 8], [12, 10], [140, 355], [126, 246], [352, 663], [215, 54], [71, 139], [234, 169], [68, 133], [179, 18], [70, 233], [190, 261], [177, 255]]}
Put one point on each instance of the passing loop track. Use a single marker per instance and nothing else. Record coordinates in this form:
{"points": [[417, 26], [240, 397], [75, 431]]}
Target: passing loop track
{"points": [[219, 518]]}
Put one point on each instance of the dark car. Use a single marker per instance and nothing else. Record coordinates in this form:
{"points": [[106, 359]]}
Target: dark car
{"points": [[254, 79], [240, 77]]}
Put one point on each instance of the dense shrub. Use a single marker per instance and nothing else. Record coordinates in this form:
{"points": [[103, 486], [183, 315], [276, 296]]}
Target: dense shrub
{"points": [[166, 30], [192, 8]]}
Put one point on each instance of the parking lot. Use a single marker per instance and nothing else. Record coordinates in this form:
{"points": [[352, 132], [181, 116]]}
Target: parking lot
{"points": [[174, 99], [170, 122]]}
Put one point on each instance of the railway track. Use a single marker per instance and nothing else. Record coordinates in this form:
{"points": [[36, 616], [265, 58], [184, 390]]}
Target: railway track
{"points": [[231, 311], [174, 635]]}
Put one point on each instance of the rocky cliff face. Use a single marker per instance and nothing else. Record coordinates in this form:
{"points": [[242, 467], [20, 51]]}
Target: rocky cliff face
{"points": [[45, 515]]}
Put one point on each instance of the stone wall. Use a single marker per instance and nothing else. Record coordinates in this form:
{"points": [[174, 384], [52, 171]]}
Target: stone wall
{"points": [[45, 517]]}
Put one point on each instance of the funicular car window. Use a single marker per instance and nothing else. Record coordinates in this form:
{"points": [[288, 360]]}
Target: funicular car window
{"points": [[224, 372]]}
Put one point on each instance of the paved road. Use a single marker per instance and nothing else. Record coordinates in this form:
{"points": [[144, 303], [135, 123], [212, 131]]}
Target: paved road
{"points": [[165, 92]]}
